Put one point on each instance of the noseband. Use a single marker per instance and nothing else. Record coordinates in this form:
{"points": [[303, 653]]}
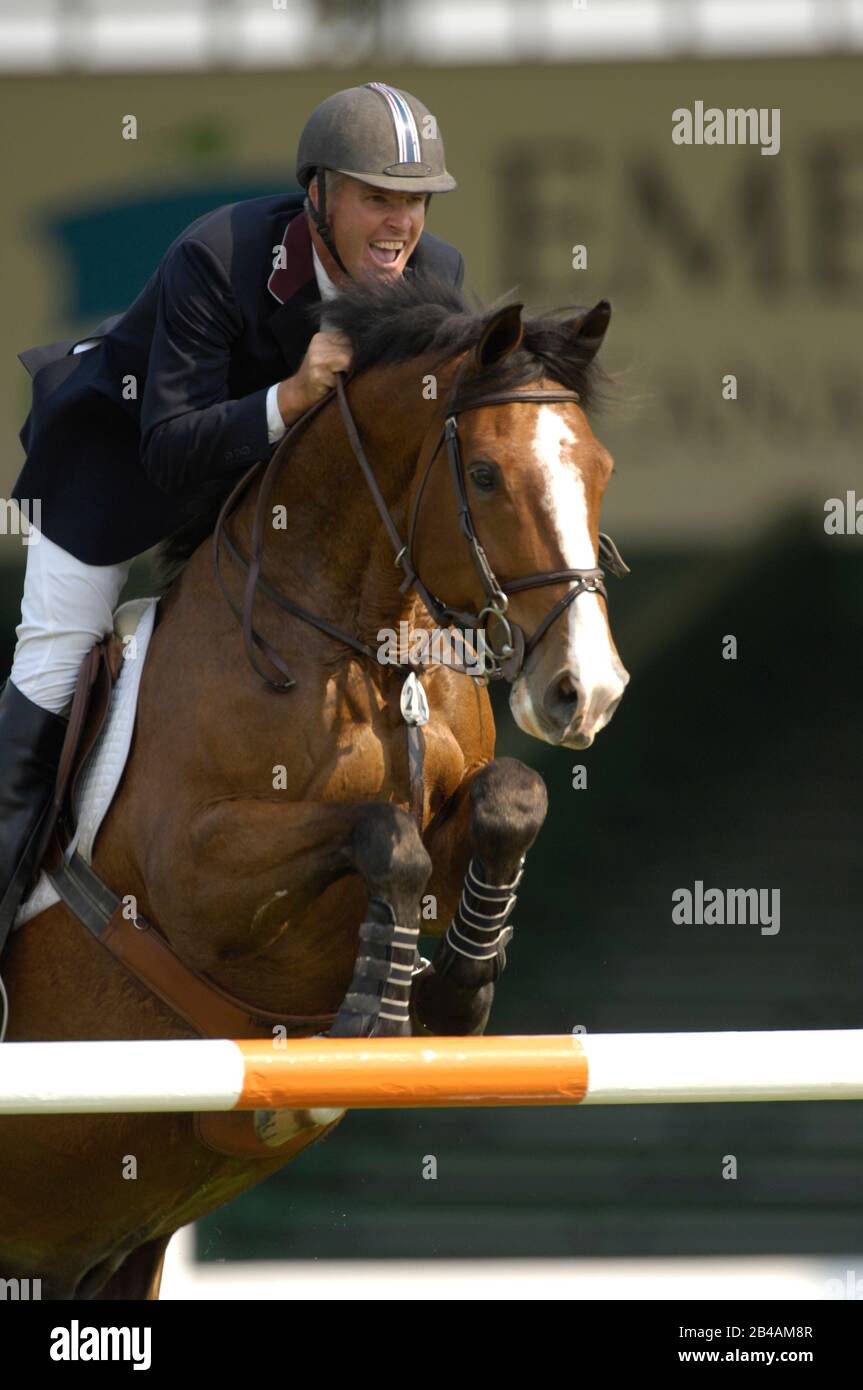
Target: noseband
{"points": [[507, 662]]}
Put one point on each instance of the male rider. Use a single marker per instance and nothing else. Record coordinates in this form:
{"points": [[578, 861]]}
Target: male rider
{"points": [[134, 426]]}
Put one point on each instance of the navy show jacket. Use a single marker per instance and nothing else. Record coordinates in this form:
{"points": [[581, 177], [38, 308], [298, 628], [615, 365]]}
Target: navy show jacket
{"points": [[126, 441]]}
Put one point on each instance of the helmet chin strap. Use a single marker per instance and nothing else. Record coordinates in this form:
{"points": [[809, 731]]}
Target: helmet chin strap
{"points": [[321, 225]]}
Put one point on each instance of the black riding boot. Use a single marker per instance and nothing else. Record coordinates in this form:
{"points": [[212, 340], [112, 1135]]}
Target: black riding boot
{"points": [[31, 739]]}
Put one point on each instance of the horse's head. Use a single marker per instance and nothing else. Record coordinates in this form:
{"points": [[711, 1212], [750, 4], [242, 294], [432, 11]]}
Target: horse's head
{"points": [[532, 475]]}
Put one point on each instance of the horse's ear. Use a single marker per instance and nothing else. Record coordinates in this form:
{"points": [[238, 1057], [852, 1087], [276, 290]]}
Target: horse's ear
{"points": [[501, 336], [589, 330]]}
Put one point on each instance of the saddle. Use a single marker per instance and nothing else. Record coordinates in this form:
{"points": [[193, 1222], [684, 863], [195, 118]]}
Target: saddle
{"points": [[142, 949], [89, 710]]}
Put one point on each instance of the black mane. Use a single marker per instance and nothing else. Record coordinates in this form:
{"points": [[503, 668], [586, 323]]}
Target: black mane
{"points": [[416, 316]]}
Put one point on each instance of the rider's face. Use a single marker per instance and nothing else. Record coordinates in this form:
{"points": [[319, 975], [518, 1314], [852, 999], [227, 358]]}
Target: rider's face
{"points": [[362, 217]]}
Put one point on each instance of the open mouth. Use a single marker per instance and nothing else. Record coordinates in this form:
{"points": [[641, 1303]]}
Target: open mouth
{"points": [[386, 253]]}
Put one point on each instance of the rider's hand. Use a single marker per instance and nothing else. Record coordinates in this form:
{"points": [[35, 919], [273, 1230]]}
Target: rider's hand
{"points": [[326, 354]]}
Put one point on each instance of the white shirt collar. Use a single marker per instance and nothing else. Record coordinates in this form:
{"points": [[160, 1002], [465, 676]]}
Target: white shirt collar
{"points": [[325, 284]]}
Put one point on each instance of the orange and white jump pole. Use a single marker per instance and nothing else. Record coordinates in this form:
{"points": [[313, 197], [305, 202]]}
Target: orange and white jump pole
{"points": [[602, 1069]]}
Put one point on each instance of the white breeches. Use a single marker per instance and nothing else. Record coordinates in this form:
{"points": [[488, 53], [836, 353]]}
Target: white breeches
{"points": [[66, 608]]}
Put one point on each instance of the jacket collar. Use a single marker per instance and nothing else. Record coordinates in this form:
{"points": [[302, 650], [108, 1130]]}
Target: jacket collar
{"points": [[294, 288], [298, 268]]}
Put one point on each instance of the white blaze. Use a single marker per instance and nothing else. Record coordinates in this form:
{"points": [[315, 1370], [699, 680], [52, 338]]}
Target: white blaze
{"points": [[589, 654]]}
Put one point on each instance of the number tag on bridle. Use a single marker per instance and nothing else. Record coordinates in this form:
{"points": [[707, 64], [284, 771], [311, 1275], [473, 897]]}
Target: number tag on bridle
{"points": [[414, 701]]}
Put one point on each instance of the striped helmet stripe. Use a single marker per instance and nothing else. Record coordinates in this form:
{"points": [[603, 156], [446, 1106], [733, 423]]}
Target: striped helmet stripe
{"points": [[407, 136]]}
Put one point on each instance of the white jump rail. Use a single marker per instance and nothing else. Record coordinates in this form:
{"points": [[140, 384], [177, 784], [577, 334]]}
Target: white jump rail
{"points": [[604, 1069]]}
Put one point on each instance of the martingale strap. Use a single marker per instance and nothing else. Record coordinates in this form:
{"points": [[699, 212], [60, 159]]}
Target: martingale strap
{"points": [[138, 945]]}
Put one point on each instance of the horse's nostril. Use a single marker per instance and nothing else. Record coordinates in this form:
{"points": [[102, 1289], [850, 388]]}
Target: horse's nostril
{"points": [[567, 689], [562, 698]]}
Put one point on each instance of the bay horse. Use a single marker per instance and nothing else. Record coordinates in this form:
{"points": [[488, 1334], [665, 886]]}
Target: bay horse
{"points": [[264, 823]]}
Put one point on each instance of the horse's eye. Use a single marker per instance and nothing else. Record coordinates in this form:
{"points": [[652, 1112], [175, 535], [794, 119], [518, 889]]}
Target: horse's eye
{"points": [[484, 477]]}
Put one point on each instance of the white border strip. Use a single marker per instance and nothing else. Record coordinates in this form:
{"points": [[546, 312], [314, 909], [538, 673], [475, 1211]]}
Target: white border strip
{"points": [[733, 1279]]}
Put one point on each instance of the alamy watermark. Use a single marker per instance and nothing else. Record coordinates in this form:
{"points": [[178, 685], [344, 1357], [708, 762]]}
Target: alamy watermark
{"points": [[851, 1288], [710, 907], [20, 1290], [843, 516], [14, 513], [737, 125], [433, 647], [77, 1343]]}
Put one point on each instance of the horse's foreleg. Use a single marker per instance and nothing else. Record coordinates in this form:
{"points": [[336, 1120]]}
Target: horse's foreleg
{"points": [[386, 850], [498, 815]]}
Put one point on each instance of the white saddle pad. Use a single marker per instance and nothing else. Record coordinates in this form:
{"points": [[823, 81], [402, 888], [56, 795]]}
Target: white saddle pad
{"points": [[100, 778]]}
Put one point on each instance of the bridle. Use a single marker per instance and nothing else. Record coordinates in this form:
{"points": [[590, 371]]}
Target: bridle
{"points": [[507, 662], [515, 649]]}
